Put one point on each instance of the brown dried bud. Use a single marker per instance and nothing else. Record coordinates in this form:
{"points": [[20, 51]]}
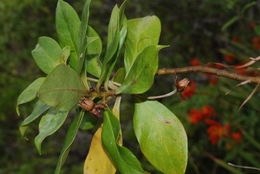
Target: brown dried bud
{"points": [[182, 84], [86, 104]]}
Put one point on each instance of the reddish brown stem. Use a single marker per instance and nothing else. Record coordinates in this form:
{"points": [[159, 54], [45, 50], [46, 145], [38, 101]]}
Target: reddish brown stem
{"points": [[204, 69]]}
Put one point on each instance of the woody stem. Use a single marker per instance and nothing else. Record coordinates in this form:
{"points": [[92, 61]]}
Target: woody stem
{"points": [[204, 69]]}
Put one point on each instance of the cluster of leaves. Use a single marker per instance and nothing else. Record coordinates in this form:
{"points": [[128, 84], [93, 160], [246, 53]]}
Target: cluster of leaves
{"points": [[70, 61]]}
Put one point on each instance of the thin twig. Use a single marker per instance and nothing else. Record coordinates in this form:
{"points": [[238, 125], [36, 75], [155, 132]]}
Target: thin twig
{"points": [[240, 84], [245, 65], [243, 167], [250, 96], [251, 62], [204, 69], [163, 96]]}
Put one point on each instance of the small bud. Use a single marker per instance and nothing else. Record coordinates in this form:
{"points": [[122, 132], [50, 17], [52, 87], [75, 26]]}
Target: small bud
{"points": [[182, 84]]}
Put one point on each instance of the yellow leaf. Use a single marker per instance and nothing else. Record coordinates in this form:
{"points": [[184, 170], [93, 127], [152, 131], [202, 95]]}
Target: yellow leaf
{"points": [[97, 161]]}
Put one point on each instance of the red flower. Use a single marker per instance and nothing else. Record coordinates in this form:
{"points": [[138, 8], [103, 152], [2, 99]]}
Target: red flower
{"points": [[235, 39], [212, 122], [189, 90], [236, 136], [216, 132], [195, 116], [229, 58], [207, 111], [195, 62]]}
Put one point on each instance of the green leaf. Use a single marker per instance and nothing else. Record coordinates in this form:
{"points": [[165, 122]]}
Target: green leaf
{"points": [[89, 122], [257, 30], [247, 6], [161, 137], [124, 160], [83, 41], [84, 26], [119, 75], [47, 54], [65, 54], [38, 110], [141, 75], [48, 125], [112, 42], [230, 22], [94, 49], [67, 26], [141, 33], [62, 88], [70, 137], [116, 36], [122, 34], [29, 93]]}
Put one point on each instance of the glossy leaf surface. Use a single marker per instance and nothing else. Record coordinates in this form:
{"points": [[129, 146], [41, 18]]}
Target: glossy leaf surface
{"points": [[48, 125], [161, 136], [141, 75], [47, 54], [70, 137], [60, 88], [124, 160], [29, 93], [67, 26], [141, 33]]}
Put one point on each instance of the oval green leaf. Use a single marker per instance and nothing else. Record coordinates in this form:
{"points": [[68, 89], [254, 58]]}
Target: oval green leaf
{"points": [[29, 93], [47, 54], [141, 75], [161, 136], [68, 26], [62, 88], [48, 125], [141, 33]]}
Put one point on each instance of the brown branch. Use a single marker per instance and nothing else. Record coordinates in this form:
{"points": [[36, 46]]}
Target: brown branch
{"points": [[204, 69]]}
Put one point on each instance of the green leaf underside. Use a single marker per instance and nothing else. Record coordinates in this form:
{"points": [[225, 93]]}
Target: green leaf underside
{"points": [[141, 75], [161, 136], [47, 54], [48, 125], [67, 26], [53, 91], [94, 49], [124, 160], [112, 42], [29, 93], [117, 30], [38, 110], [141, 33], [70, 137], [122, 34]]}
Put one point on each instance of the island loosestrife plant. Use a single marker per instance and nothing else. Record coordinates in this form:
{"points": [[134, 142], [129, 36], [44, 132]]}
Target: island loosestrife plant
{"points": [[78, 77]]}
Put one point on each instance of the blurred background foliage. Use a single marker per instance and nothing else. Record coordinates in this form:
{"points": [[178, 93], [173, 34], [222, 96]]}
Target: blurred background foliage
{"points": [[199, 31]]}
